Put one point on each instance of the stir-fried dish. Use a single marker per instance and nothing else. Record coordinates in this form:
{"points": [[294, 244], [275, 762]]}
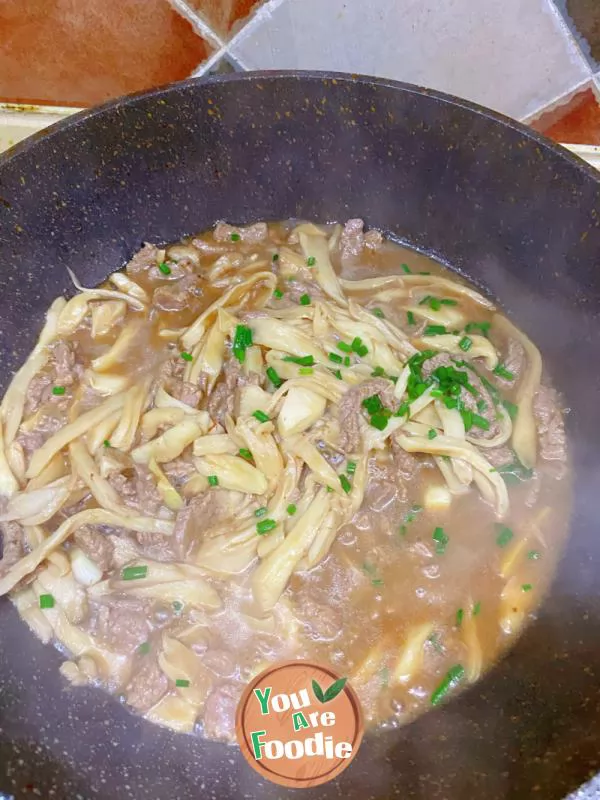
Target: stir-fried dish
{"points": [[272, 442]]}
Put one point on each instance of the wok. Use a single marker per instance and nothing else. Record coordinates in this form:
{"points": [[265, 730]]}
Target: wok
{"points": [[502, 205]]}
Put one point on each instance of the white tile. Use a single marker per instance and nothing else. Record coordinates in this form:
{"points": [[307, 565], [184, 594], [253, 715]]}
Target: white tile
{"points": [[515, 56]]}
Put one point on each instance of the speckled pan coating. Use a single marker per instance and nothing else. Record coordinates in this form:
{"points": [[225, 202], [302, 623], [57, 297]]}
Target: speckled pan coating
{"points": [[506, 207]]}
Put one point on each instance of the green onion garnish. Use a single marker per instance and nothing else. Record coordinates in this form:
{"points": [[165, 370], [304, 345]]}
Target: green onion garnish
{"points": [[346, 361], [177, 606], [476, 608], [504, 536], [164, 268], [459, 617], [213, 480], [275, 257], [431, 433], [46, 601], [436, 393], [511, 408], [410, 317], [441, 540], [434, 330], [481, 327], [134, 573], [260, 512], [305, 300], [311, 261], [260, 415], [235, 237], [446, 301], [481, 422], [359, 348], [265, 525], [482, 406], [514, 473], [346, 485], [344, 347], [144, 648], [378, 372], [291, 509], [58, 390], [186, 356], [303, 361], [534, 555], [241, 341], [372, 404], [351, 467], [452, 678], [182, 683], [278, 294], [245, 453], [403, 409], [376, 581], [405, 268], [335, 358], [274, 377], [378, 313], [527, 587], [106, 443], [465, 344], [502, 372], [306, 371], [379, 421], [337, 374]]}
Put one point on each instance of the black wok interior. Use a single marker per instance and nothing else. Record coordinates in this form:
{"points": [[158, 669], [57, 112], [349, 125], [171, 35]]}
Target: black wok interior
{"points": [[510, 210]]}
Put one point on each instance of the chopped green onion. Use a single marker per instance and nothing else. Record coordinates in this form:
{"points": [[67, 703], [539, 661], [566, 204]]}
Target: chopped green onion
{"points": [[182, 683], [434, 330], [346, 361], [344, 347], [177, 606], [235, 237], [305, 300], [437, 393], [306, 371], [459, 617], [481, 327], [445, 301], [435, 643], [410, 317], [134, 573], [441, 541], [213, 480], [534, 555], [452, 678], [432, 433], [346, 485], [260, 512], [144, 648], [46, 601], [514, 473], [435, 304], [378, 372], [372, 404], [186, 356], [337, 374], [504, 536], [311, 261], [502, 372], [245, 453], [58, 390], [241, 341], [351, 467], [465, 344], [291, 509], [335, 358], [527, 587], [260, 415], [329, 489], [379, 421], [376, 582], [303, 361], [482, 406], [275, 257], [481, 422], [476, 608], [358, 346], [265, 525], [274, 377], [511, 408], [106, 443], [378, 313], [278, 294], [164, 268], [405, 268]]}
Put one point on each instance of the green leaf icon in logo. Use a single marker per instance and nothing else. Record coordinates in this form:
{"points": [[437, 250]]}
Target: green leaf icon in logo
{"points": [[331, 693]]}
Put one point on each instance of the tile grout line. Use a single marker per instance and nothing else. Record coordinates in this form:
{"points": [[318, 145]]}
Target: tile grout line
{"points": [[197, 22], [554, 9], [555, 103]]}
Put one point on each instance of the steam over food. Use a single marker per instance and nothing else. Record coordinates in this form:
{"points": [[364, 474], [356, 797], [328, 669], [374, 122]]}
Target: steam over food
{"points": [[272, 442]]}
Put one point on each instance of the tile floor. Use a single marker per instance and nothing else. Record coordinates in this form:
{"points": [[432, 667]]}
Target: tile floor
{"points": [[536, 60]]}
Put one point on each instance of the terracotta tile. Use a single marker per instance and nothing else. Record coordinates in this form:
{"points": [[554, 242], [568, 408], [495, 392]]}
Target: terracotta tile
{"points": [[576, 123], [223, 15], [583, 17], [81, 52]]}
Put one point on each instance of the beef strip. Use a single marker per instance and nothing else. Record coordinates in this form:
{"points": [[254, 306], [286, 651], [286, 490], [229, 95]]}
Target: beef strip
{"points": [[498, 456], [96, 546], [176, 296], [354, 240], [222, 399], [31, 441], [550, 425], [219, 711], [350, 409], [67, 369], [13, 545], [171, 378], [253, 234], [138, 491], [148, 685], [179, 471], [39, 391], [296, 289], [406, 465], [514, 360], [122, 622], [144, 259]]}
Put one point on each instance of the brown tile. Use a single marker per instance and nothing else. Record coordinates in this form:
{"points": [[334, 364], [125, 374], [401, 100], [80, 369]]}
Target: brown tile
{"points": [[83, 52], [576, 123], [223, 15], [583, 17]]}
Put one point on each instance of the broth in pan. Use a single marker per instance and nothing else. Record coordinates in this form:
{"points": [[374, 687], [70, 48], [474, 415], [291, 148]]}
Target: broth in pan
{"points": [[274, 442]]}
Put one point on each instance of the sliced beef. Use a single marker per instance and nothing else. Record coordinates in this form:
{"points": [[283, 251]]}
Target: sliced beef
{"points": [[177, 295], [122, 622], [31, 441], [354, 240], [202, 512], [179, 471], [137, 491], [96, 546], [219, 711], [253, 234], [148, 685], [67, 369], [220, 403], [515, 360], [144, 259], [171, 378], [13, 545], [550, 425], [406, 465], [498, 456], [295, 289], [157, 546], [350, 409], [39, 391]]}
